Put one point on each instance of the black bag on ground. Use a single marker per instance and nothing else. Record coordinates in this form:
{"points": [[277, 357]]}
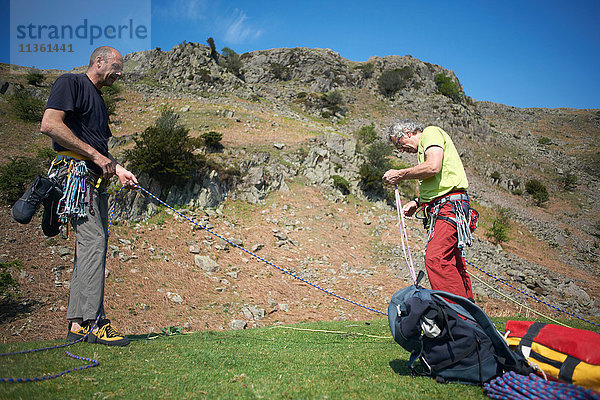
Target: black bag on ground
{"points": [[455, 342]]}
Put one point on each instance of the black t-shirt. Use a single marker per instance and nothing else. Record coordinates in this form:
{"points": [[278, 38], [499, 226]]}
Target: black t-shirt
{"points": [[86, 113]]}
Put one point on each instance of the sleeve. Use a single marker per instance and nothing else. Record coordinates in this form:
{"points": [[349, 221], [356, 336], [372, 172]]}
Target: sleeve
{"points": [[63, 94], [432, 137]]}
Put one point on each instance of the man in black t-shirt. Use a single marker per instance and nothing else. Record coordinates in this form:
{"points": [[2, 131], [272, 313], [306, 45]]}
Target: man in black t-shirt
{"points": [[77, 121]]}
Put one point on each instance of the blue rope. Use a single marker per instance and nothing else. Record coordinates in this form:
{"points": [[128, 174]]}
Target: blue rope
{"points": [[318, 287], [93, 363], [514, 386], [531, 296], [248, 252]]}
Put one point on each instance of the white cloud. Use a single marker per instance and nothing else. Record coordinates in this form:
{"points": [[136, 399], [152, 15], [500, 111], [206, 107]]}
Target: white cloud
{"points": [[239, 31]]}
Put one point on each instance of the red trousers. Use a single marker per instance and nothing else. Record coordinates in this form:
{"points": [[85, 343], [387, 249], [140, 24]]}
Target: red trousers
{"points": [[445, 265]]}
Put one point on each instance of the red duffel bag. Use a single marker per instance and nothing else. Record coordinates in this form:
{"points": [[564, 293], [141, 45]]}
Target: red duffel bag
{"points": [[567, 354]]}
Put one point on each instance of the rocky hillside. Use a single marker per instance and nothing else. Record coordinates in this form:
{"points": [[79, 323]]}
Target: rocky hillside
{"points": [[289, 119]]}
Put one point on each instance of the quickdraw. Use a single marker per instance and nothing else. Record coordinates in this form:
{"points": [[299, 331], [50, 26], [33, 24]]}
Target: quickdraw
{"points": [[76, 196]]}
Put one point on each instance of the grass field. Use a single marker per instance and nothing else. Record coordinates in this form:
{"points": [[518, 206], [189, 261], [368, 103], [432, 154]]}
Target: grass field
{"points": [[325, 360]]}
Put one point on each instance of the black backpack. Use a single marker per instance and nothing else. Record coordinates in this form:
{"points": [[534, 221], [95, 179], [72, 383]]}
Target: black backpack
{"points": [[455, 342]]}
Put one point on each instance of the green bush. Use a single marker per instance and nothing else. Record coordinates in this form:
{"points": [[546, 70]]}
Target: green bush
{"points": [[211, 139], [496, 176], [334, 99], [498, 233], [27, 107], [281, 72], [227, 174], [367, 134], [367, 69], [213, 49], [544, 140], [231, 61], [35, 77], [16, 176], [111, 97], [568, 181], [448, 88], [340, 183], [8, 285], [165, 151], [393, 80], [376, 165], [537, 190]]}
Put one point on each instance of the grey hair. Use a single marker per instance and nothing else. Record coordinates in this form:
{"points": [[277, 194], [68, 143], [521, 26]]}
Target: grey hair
{"points": [[104, 52], [399, 129]]}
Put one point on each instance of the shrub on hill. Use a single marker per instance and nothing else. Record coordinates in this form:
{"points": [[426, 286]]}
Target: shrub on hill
{"points": [[376, 165], [35, 77], [16, 176], [165, 151], [448, 88], [111, 97], [27, 107], [367, 134], [231, 61], [498, 233], [538, 191], [281, 72], [340, 183], [393, 80], [212, 139]]}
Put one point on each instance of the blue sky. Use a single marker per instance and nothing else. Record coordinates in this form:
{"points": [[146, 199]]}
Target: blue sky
{"points": [[527, 53]]}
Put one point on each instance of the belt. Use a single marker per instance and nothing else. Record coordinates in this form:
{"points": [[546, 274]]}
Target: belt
{"points": [[72, 154], [456, 195]]}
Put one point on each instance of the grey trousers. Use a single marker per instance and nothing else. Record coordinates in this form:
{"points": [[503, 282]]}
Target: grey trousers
{"points": [[86, 295]]}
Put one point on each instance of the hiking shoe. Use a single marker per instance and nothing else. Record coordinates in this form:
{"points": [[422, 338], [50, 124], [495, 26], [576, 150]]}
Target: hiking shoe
{"points": [[24, 209], [50, 222], [107, 335], [73, 336]]}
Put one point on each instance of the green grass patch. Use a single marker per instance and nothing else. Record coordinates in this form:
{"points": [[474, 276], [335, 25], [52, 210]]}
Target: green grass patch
{"points": [[300, 361], [270, 363]]}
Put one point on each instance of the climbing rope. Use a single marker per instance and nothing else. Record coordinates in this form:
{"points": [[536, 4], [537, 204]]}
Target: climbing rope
{"points": [[516, 302], [404, 237], [285, 271], [408, 258], [512, 386], [531, 296], [93, 363]]}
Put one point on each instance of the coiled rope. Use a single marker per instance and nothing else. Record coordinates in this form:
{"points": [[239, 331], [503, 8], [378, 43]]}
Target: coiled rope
{"points": [[512, 386]]}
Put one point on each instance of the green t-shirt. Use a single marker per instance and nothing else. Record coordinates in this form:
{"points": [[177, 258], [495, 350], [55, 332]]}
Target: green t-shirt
{"points": [[452, 176]]}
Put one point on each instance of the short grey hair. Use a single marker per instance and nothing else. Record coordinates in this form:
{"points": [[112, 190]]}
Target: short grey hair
{"points": [[104, 52], [400, 128]]}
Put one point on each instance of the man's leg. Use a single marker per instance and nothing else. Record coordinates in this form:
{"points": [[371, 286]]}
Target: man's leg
{"points": [[87, 289], [445, 266]]}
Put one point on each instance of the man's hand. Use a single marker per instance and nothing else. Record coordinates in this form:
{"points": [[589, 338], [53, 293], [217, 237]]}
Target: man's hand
{"points": [[410, 208], [106, 164], [127, 178], [393, 176]]}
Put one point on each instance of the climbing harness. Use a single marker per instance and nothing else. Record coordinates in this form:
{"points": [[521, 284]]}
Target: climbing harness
{"points": [[465, 218], [514, 386]]}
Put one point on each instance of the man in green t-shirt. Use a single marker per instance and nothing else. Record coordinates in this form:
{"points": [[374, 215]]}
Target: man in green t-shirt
{"points": [[442, 189]]}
